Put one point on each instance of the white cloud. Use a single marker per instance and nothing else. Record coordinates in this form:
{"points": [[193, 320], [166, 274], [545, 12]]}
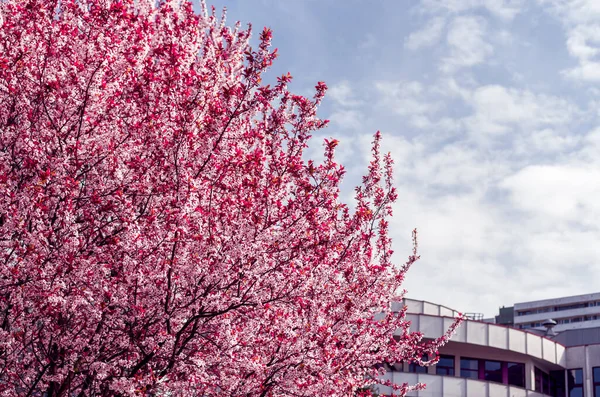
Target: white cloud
{"points": [[585, 71], [557, 248], [583, 43], [449, 87], [427, 36], [346, 113], [419, 106], [470, 182], [558, 192], [408, 99], [478, 224], [580, 39], [472, 244], [590, 150], [580, 20], [573, 11], [546, 141], [347, 119], [461, 237], [503, 9], [466, 38], [498, 110], [343, 95], [504, 37]]}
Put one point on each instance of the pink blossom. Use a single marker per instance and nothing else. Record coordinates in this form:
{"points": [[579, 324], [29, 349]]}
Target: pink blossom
{"points": [[160, 231]]}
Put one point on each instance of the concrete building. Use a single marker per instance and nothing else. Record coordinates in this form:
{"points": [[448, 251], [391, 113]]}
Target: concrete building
{"points": [[506, 316], [492, 360], [571, 312]]}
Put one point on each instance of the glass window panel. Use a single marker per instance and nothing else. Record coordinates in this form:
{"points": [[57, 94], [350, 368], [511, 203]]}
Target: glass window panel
{"points": [[466, 373], [494, 376], [469, 368], [538, 379], [446, 361], [576, 376], [416, 368], [516, 374], [546, 383], [557, 383], [444, 371], [493, 371], [576, 392], [445, 366], [597, 375], [597, 391], [493, 366], [469, 363]]}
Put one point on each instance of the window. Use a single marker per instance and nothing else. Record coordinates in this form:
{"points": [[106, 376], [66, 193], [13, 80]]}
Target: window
{"points": [[445, 366], [546, 383], [416, 368], [570, 307], [469, 368], [516, 374], [542, 381], [596, 379], [498, 371], [575, 377], [557, 383], [492, 371], [398, 367]]}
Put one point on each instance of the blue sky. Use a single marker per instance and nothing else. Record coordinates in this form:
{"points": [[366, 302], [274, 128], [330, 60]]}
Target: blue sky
{"points": [[490, 109]]}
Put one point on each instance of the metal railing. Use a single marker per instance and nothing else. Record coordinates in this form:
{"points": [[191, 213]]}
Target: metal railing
{"points": [[474, 316]]}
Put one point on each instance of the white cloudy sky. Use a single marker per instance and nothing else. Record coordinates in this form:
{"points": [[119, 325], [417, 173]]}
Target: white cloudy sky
{"points": [[491, 110]]}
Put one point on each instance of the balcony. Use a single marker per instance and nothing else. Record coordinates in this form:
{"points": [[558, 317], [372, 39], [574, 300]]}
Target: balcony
{"points": [[491, 336]]}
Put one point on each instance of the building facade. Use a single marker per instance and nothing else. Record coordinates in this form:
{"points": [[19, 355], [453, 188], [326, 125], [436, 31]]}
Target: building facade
{"points": [[492, 360], [571, 312], [506, 316]]}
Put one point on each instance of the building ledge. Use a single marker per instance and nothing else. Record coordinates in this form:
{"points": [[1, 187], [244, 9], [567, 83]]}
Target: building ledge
{"points": [[441, 385]]}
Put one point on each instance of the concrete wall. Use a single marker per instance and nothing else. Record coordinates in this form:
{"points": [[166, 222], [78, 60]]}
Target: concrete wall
{"points": [[448, 386], [586, 358], [541, 317], [557, 301], [424, 307], [577, 337], [459, 350], [491, 335]]}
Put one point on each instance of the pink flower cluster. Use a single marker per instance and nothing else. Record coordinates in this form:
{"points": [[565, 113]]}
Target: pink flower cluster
{"points": [[160, 231]]}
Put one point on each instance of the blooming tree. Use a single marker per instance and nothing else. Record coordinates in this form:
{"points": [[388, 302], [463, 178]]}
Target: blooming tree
{"points": [[160, 231]]}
